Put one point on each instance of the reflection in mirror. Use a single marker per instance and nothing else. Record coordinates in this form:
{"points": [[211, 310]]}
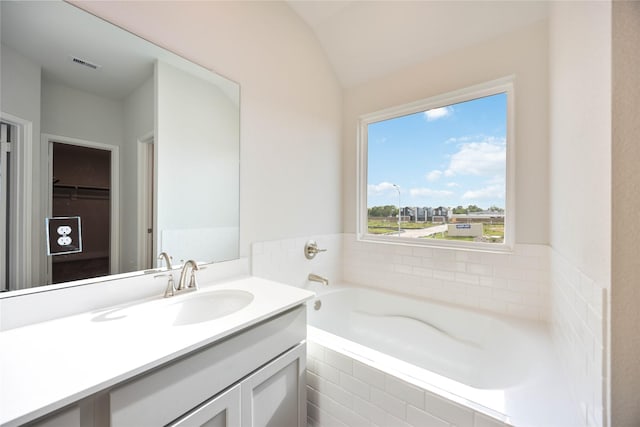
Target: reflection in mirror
{"points": [[97, 123]]}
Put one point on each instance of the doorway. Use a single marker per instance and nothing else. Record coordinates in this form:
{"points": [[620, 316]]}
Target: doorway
{"points": [[81, 184]]}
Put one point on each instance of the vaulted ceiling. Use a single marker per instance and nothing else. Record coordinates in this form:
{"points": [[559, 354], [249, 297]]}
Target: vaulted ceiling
{"points": [[369, 39]]}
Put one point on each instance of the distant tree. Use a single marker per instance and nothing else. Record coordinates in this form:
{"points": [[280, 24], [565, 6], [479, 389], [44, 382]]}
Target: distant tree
{"points": [[383, 211], [459, 210], [474, 208], [494, 208]]}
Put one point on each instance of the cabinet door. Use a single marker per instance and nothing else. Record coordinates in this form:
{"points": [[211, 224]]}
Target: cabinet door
{"points": [[274, 396], [222, 410]]}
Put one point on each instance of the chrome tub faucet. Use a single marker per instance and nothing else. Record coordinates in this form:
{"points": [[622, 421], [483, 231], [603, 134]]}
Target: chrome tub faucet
{"points": [[319, 279]]}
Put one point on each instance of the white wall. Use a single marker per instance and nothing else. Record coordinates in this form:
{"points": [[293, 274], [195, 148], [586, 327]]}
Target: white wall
{"points": [[523, 54], [625, 292], [197, 156], [20, 86], [290, 105], [138, 116], [580, 194], [74, 113]]}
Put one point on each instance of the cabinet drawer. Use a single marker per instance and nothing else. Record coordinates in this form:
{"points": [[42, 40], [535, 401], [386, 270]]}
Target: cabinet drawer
{"points": [[168, 392]]}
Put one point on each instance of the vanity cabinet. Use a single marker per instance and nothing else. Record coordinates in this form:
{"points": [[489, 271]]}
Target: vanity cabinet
{"points": [[258, 371], [69, 417], [273, 396], [220, 411]]}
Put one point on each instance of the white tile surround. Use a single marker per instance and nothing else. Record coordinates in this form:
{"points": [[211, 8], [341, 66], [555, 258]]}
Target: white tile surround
{"points": [[579, 325], [343, 392], [284, 260], [532, 282], [514, 283]]}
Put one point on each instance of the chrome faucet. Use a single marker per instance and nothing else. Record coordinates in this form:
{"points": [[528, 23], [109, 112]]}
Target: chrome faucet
{"points": [[167, 259], [188, 267], [319, 279]]}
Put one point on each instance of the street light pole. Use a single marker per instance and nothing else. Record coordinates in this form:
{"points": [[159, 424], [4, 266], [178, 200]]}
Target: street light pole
{"points": [[399, 208]]}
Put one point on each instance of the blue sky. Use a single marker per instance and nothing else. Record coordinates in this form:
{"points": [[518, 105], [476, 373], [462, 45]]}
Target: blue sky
{"points": [[446, 156]]}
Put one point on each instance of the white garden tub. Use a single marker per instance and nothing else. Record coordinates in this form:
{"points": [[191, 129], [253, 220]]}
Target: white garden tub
{"points": [[497, 366]]}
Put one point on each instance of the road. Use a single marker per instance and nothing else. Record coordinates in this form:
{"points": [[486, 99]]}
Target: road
{"points": [[423, 232]]}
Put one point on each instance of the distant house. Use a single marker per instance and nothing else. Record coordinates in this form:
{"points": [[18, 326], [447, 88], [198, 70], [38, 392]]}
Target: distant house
{"points": [[422, 214]]}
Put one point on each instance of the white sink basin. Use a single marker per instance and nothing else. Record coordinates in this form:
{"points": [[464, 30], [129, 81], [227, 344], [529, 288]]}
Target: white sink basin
{"points": [[204, 306]]}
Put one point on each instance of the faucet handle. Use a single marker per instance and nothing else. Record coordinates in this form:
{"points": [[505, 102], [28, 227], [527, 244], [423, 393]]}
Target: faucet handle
{"points": [[311, 249], [171, 286], [193, 282]]}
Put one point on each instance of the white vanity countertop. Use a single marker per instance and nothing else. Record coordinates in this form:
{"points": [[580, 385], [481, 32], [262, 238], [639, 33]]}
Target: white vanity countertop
{"points": [[48, 365]]}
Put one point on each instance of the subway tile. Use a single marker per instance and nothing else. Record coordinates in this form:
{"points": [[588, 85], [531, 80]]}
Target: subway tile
{"points": [[339, 361], [355, 386], [315, 350], [411, 260], [467, 278], [422, 272], [422, 252], [469, 256], [368, 410], [368, 375], [391, 421], [444, 275], [327, 371], [390, 404], [444, 254], [448, 411], [480, 269], [402, 250], [420, 418], [403, 268], [481, 420], [352, 419], [404, 391], [322, 417], [313, 380], [336, 393]]}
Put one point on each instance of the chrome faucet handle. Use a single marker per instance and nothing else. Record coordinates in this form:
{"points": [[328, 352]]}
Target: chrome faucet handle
{"points": [[171, 285], [311, 249], [167, 259], [193, 282]]}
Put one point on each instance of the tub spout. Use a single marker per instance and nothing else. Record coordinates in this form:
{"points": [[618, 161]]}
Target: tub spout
{"points": [[320, 279]]}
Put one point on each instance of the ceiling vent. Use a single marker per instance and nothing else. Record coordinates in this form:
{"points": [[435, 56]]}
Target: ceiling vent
{"points": [[84, 62]]}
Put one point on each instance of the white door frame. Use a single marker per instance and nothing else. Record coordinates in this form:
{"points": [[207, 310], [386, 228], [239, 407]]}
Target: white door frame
{"points": [[114, 241], [145, 201], [21, 208]]}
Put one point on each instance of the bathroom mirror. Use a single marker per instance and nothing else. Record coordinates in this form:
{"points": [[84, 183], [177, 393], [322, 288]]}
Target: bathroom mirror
{"points": [[123, 148]]}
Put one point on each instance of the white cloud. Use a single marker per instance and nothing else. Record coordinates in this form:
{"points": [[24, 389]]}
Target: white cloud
{"points": [[489, 192], [438, 113], [453, 184], [434, 175], [428, 192], [485, 158], [377, 189]]}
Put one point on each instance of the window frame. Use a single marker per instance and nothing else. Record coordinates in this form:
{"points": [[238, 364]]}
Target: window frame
{"points": [[503, 85]]}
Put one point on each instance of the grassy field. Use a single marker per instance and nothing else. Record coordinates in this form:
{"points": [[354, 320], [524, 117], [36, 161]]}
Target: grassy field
{"points": [[491, 232], [380, 226]]}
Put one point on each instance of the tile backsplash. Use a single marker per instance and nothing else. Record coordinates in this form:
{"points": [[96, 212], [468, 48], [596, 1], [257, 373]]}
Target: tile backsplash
{"points": [[515, 283], [284, 260], [578, 326]]}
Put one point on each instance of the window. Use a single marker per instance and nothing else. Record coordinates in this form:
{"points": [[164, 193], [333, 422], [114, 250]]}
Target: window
{"points": [[439, 171]]}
